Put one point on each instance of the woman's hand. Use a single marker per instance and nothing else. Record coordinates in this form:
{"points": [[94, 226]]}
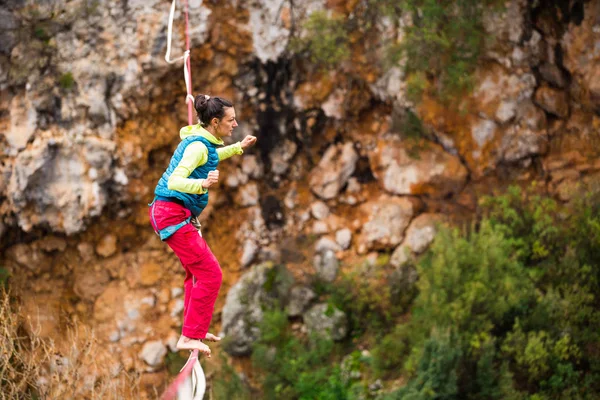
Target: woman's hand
{"points": [[248, 141], [212, 178]]}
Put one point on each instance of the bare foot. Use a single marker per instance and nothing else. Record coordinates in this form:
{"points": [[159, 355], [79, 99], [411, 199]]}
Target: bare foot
{"points": [[186, 343], [212, 338]]}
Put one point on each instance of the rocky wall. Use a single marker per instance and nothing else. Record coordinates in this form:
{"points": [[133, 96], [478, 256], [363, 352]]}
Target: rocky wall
{"points": [[89, 115]]}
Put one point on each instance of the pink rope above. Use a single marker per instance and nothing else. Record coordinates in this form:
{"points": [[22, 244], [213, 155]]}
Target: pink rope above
{"points": [[190, 104]]}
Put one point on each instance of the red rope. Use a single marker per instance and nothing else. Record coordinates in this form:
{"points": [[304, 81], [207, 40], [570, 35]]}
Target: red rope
{"points": [[187, 47]]}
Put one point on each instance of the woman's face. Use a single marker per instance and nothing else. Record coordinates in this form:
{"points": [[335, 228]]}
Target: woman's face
{"points": [[227, 123]]}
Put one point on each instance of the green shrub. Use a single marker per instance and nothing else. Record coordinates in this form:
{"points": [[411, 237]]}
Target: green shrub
{"points": [[531, 221], [294, 368], [517, 296], [227, 384], [66, 81], [469, 283], [41, 34], [436, 376], [390, 352], [444, 42], [506, 309], [371, 297], [326, 40], [174, 361], [537, 353]]}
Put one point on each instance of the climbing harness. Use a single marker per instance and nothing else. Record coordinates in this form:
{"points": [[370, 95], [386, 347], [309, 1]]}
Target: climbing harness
{"points": [[190, 384], [167, 232]]}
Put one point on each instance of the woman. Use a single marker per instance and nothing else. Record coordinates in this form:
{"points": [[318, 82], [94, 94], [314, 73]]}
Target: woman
{"points": [[180, 197]]}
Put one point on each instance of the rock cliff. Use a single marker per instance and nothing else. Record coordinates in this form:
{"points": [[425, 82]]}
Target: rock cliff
{"points": [[89, 116]]}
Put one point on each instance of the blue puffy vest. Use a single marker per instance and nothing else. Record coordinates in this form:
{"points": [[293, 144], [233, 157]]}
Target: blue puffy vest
{"points": [[193, 202]]}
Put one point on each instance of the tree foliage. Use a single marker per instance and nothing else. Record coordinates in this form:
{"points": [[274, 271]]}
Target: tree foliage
{"points": [[517, 294], [506, 308], [439, 48]]}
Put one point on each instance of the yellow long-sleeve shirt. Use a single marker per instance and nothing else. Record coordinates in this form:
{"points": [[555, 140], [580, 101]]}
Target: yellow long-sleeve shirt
{"points": [[195, 155]]}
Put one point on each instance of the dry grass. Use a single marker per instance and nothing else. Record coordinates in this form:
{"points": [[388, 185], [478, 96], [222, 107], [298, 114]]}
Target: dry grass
{"points": [[32, 367]]}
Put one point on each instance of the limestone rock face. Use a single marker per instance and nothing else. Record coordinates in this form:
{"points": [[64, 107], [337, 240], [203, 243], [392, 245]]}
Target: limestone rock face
{"points": [[153, 353], [23, 122], [270, 22], [300, 298], [553, 101], [121, 315], [507, 119], [281, 157], [498, 86], [401, 255], [582, 59], [58, 182], [343, 237], [248, 195], [243, 308], [43, 313], [326, 265], [519, 143], [386, 220], [64, 95], [433, 172], [334, 169], [323, 319], [508, 24], [422, 231], [8, 24]]}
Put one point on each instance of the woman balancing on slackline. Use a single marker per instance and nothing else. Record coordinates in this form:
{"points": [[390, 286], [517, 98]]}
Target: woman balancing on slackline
{"points": [[180, 197]]}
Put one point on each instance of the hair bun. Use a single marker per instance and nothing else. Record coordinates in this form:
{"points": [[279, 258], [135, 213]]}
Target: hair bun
{"points": [[208, 107], [201, 102]]}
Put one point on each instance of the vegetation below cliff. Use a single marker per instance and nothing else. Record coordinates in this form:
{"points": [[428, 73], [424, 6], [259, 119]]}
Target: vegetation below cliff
{"points": [[506, 308]]}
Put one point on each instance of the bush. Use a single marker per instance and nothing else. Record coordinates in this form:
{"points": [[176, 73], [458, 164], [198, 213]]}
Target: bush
{"points": [[469, 283], [506, 309], [444, 42], [325, 41], [439, 50], [516, 299], [390, 352], [295, 368], [227, 384], [436, 376], [371, 297], [66, 81]]}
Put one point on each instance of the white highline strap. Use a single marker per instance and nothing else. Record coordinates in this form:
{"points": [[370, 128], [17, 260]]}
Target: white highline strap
{"points": [[186, 76], [170, 34], [194, 385], [184, 57]]}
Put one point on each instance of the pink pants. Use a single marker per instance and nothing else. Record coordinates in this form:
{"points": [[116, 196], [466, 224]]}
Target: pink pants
{"points": [[203, 274]]}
